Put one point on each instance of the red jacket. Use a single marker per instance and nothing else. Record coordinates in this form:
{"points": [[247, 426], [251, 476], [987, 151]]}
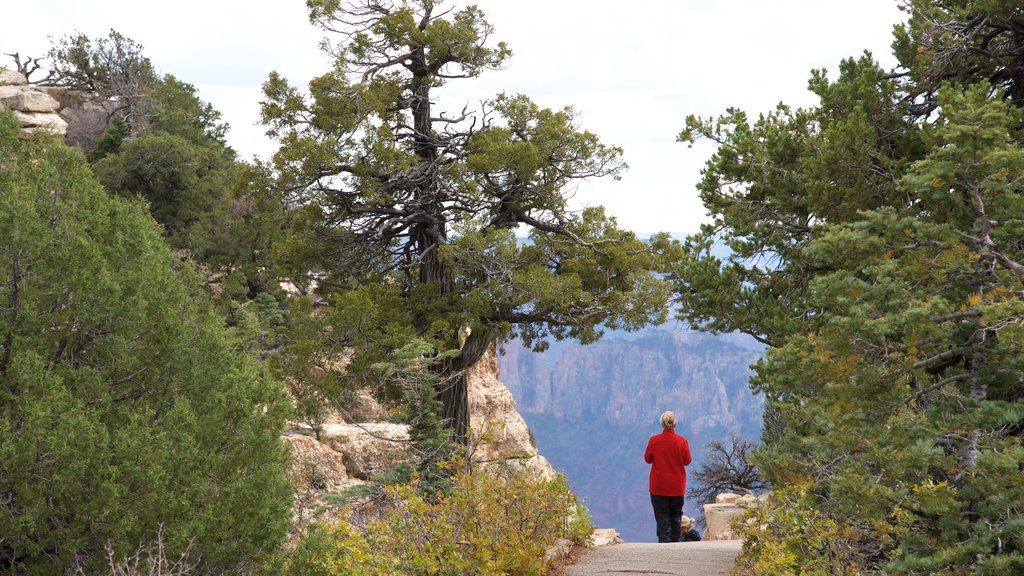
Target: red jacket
{"points": [[668, 454]]}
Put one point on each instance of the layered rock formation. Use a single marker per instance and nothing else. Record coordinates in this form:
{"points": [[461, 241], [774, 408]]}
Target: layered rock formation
{"points": [[349, 454], [34, 107], [624, 380]]}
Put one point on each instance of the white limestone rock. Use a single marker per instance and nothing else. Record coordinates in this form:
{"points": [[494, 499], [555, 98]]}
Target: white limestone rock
{"points": [[726, 513], [498, 430], [605, 537], [9, 92], [12, 77], [560, 549], [35, 109], [316, 466], [30, 101], [367, 449], [727, 498], [41, 120], [721, 521]]}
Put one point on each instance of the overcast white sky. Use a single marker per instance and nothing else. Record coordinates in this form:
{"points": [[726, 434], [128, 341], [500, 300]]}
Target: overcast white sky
{"points": [[633, 71]]}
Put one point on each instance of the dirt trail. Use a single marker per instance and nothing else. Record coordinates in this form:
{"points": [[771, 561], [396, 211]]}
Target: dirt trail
{"points": [[685, 558]]}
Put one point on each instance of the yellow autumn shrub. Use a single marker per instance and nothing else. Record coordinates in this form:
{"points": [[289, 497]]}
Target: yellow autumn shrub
{"points": [[498, 521]]}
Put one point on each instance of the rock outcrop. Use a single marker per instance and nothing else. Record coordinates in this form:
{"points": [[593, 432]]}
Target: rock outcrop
{"points": [[726, 512], [499, 433], [315, 466], [34, 107], [349, 454], [345, 455]]}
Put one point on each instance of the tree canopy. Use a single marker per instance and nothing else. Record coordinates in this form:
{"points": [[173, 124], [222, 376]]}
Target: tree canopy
{"points": [[875, 246], [408, 215], [149, 135], [126, 408]]}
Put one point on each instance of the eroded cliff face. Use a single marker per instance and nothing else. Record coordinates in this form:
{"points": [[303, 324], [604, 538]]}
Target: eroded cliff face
{"points": [[592, 409], [351, 453], [498, 431]]}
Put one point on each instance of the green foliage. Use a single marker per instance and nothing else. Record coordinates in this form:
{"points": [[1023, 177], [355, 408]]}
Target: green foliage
{"points": [[110, 141], [311, 372], [876, 248], [789, 536], [497, 521], [432, 445], [185, 184], [906, 395], [163, 143], [112, 67], [125, 404], [201, 197], [115, 69], [179, 111], [413, 213], [963, 42], [773, 184]]}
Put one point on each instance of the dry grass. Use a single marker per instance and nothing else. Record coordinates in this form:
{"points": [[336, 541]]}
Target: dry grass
{"points": [[559, 567]]}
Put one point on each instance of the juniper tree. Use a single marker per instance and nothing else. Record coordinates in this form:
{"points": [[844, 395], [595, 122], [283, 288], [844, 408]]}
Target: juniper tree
{"points": [[125, 405], [410, 211]]}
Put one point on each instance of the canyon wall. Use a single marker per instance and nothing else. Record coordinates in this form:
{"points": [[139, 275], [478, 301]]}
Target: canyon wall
{"points": [[592, 409]]}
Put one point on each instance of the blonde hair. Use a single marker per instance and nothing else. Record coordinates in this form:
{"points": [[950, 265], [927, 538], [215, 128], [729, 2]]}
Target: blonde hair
{"points": [[668, 420]]}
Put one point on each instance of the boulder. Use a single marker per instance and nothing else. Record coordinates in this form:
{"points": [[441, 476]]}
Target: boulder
{"points": [[87, 114], [728, 510], [34, 108], [315, 466], [727, 498], [12, 78], [721, 520], [49, 121], [747, 501], [605, 537], [8, 92], [30, 101], [559, 550]]}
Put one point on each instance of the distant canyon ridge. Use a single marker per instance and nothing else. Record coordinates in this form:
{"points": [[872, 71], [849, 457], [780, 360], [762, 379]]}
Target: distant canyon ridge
{"points": [[592, 409]]}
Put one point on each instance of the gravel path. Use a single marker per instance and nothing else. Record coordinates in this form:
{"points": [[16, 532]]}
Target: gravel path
{"points": [[684, 558]]}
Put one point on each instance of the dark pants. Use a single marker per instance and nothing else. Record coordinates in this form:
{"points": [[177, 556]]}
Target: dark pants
{"points": [[667, 511]]}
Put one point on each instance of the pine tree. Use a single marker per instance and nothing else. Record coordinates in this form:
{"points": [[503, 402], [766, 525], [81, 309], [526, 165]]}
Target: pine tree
{"points": [[876, 249]]}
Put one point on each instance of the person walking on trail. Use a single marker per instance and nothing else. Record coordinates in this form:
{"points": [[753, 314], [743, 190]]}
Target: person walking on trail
{"points": [[668, 454]]}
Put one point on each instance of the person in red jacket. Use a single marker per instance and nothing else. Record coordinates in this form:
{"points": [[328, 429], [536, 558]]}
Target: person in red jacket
{"points": [[668, 454]]}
